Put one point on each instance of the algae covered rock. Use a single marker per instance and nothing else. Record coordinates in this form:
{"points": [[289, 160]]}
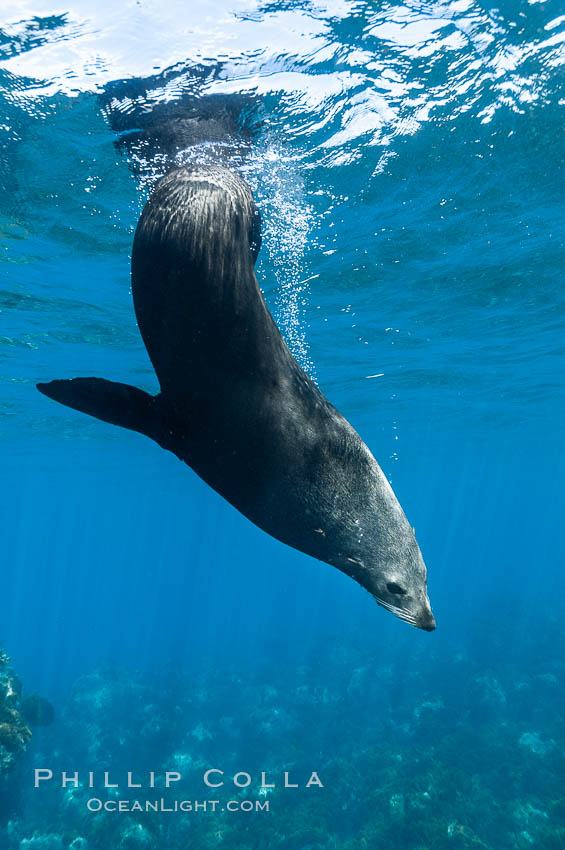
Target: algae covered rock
{"points": [[14, 731], [17, 714], [135, 836], [42, 842]]}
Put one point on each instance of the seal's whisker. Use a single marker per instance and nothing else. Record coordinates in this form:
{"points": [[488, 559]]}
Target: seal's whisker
{"points": [[398, 612]]}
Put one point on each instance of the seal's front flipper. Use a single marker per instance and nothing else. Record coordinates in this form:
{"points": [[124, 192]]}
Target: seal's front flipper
{"points": [[119, 404]]}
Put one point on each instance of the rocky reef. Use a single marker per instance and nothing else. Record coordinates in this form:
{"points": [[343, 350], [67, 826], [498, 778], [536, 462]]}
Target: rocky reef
{"points": [[18, 713], [14, 730], [14, 736], [453, 754]]}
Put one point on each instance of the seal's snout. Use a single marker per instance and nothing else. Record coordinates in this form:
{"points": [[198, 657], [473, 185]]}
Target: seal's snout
{"points": [[427, 621]]}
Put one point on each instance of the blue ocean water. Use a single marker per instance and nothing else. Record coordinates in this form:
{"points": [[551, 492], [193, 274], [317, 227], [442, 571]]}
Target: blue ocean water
{"points": [[408, 163]]}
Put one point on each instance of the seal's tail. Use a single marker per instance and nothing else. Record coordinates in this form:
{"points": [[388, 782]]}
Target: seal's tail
{"points": [[119, 404]]}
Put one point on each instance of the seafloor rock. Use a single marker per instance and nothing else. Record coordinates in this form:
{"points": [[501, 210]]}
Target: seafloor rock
{"points": [[534, 743], [14, 732], [42, 842], [135, 836]]}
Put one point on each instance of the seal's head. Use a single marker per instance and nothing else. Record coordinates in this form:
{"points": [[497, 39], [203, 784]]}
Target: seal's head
{"points": [[402, 589], [396, 574], [378, 546], [397, 580], [393, 570]]}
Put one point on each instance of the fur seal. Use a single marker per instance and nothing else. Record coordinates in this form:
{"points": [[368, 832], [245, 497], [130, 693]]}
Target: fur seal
{"points": [[234, 403]]}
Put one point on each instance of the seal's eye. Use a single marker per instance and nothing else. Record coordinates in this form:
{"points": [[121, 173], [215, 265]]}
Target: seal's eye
{"points": [[393, 587]]}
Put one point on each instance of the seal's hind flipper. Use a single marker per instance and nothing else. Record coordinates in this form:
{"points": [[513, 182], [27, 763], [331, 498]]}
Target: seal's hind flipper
{"points": [[119, 404]]}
